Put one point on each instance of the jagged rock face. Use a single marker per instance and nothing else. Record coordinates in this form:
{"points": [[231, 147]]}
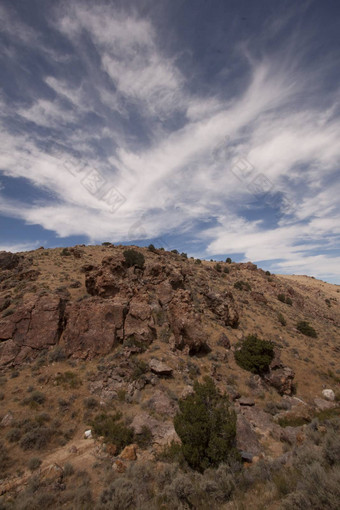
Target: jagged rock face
{"points": [[126, 304], [185, 323], [93, 327], [9, 260], [224, 307], [31, 328]]}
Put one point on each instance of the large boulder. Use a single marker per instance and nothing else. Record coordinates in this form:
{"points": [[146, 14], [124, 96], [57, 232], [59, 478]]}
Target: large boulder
{"points": [[281, 379], [185, 323], [224, 308], [139, 322], [159, 367], [93, 326], [246, 437], [280, 376]]}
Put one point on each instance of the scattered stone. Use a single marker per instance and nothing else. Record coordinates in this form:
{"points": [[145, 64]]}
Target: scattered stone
{"points": [[246, 437], [323, 404], [119, 466], [129, 452], [246, 401], [247, 456], [328, 394], [161, 404], [7, 419], [160, 368], [188, 390], [88, 434], [233, 393], [111, 449], [224, 341]]}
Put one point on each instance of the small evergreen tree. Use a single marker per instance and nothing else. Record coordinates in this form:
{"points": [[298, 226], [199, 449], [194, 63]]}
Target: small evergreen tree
{"points": [[306, 329], [206, 426], [134, 258], [255, 355]]}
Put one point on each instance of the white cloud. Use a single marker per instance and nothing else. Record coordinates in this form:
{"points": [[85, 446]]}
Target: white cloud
{"points": [[178, 177]]}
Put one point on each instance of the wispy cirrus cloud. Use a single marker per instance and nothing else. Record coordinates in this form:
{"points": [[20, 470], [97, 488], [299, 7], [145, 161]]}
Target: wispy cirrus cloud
{"points": [[122, 106]]}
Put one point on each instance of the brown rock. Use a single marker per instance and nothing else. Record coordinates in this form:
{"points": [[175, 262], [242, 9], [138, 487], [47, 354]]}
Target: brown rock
{"points": [[246, 437], [160, 368], [185, 323], [246, 401], [129, 452], [323, 404], [161, 404], [258, 297], [224, 307], [9, 260], [33, 326], [224, 341], [281, 379], [139, 322], [93, 326], [111, 449], [119, 466]]}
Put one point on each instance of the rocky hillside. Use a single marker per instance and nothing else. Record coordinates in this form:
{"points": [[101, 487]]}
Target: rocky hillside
{"points": [[93, 328]]}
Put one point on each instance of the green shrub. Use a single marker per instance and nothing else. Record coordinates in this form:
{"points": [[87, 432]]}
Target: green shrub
{"points": [[175, 252], [35, 399], [226, 270], [285, 299], [255, 355], [184, 255], [206, 427], [198, 261], [34, 463], [106, 243], [57, 355], [268, 273], [113, 430], [281, 319], [241, 285], [36, 438], [144, 438], [134, 258], [152, 248], [65, 252], [140, 369], [120, 495], [68, 380], [228, 260], [218, 268], [306, 329]]}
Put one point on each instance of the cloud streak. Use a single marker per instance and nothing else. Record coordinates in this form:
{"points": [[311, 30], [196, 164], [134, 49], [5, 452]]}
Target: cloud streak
{"points": [[129, 113]]}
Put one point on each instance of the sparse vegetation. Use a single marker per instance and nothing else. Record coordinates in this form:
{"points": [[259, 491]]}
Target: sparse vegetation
{"points": [[281, 319], [241, 285], [113, 429], [306, 329]]}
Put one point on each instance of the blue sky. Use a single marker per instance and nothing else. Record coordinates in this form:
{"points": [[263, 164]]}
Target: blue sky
{"points": [[210, 127]]}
